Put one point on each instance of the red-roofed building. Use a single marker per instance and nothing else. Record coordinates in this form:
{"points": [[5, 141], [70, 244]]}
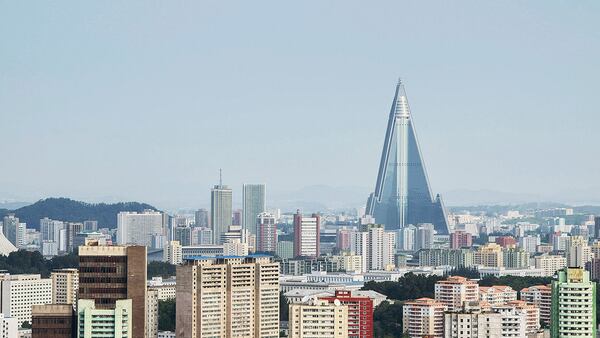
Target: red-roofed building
{"points": [[360, 313]]}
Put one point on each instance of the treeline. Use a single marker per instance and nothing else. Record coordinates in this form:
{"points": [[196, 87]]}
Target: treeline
{"points": [[68, 210], [32, 262]]}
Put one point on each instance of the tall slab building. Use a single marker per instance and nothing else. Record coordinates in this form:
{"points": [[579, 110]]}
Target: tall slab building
{"points": [[220, 211], [402, 195], [253, 204]]}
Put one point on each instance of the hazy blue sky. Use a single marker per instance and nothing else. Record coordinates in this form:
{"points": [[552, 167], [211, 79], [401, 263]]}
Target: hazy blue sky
{"points": [[146, 100]]}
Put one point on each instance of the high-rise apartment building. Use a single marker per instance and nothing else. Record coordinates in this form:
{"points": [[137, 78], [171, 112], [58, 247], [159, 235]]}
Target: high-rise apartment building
{"points": [[342, 239], [453, 257], [360, 313], [173, 253], [50, 229], [20, 292], [116, 321], [597, 227], [266, 233], [183, 235], [318, 318], [472, 322], [307, 235], [455, 291], [65, 286], [228, 297], [375, 246], [253, 203], [406, 238], [113, 279], [220, 211], [514, 258], [423, 317], [529, 243], [10, 227], [578, 252], [573, 304], [540, 296], [424, 236], [138, 228], [402, 194], [53, 321], [489, 255], [550, 263], [460, 239]]}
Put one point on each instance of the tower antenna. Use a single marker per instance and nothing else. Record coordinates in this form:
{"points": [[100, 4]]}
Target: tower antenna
{"points": [[220, 176]]}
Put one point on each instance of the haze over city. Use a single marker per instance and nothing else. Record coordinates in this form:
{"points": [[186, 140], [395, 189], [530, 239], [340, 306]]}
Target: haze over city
{"points": [[145, 102]]}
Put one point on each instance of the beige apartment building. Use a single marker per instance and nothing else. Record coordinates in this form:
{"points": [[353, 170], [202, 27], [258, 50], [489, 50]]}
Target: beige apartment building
{"points": [[318, 318], [228, 297], [489, 255], [455, 291], [550, 263], [497, 294], [540, 296], [423, 317], [65, 286]]}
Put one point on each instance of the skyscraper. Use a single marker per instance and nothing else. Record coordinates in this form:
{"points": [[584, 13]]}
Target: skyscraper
{"points": [[112, 280], [138, 228], [253, 204], [220, 210], [201, 218], [402, 195]]}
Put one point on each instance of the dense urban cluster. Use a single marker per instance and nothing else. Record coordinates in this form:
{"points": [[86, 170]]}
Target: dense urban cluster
{"points": [[402, 266]]}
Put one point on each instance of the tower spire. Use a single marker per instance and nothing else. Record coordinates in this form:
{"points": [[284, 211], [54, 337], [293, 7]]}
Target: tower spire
{"points": [[220, 177]]}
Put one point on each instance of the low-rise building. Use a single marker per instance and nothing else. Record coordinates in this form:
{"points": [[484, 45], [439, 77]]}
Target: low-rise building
{"points": [[423, 317], [318, 318]]}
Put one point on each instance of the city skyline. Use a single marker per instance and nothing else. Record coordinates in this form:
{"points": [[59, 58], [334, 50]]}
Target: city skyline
{"points": [[488, 106]]}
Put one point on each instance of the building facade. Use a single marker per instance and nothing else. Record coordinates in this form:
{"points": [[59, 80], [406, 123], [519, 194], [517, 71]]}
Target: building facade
{"points": [[220, 211], [108, 275], [573, 304], [94, 322], [318, 318], [253, 204], [307, 241], [423, 317], [21, 292], [138, 228], [52, 321], [455, 291], [228, 297], [266, 232]]}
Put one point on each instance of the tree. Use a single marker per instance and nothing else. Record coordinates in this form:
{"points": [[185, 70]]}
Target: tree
{"points": [[387, 320], [166, 315], [471, 273], [162, 269], [409, 286]]}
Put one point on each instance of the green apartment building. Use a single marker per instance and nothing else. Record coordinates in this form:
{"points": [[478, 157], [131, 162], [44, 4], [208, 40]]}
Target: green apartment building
{"points": [[573, 304]]}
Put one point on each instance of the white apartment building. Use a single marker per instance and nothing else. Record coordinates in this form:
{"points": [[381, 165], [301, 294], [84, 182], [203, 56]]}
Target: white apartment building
{"points": [[540, 296], [138, 228], [239, 297], [550, 263], [101, 323], [8, 327], [318, 318], [529, 243], [375, 246], [306, 235], [455, 291], [497, 294], [423, 317], [65, 286], [20, 292], [173, 253], [406, 238]]}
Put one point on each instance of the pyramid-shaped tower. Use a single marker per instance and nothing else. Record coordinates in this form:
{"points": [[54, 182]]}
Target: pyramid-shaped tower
{"points": [[402, 195]]}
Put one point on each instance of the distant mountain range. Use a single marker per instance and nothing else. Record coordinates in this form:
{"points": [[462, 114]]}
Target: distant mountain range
{"points": [[65, 209]]}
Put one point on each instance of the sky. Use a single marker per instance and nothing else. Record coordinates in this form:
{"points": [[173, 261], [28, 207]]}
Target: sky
{"points": [[146, 100]]}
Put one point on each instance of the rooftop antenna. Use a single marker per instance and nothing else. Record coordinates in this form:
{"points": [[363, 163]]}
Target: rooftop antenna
{"points": [[220, 176]]}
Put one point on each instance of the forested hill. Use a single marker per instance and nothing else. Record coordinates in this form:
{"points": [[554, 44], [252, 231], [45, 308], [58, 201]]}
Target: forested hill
{"points": [[65, 209]]}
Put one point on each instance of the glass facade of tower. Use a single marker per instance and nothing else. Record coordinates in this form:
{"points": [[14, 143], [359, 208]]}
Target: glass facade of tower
{"points": [[402, 195]]}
